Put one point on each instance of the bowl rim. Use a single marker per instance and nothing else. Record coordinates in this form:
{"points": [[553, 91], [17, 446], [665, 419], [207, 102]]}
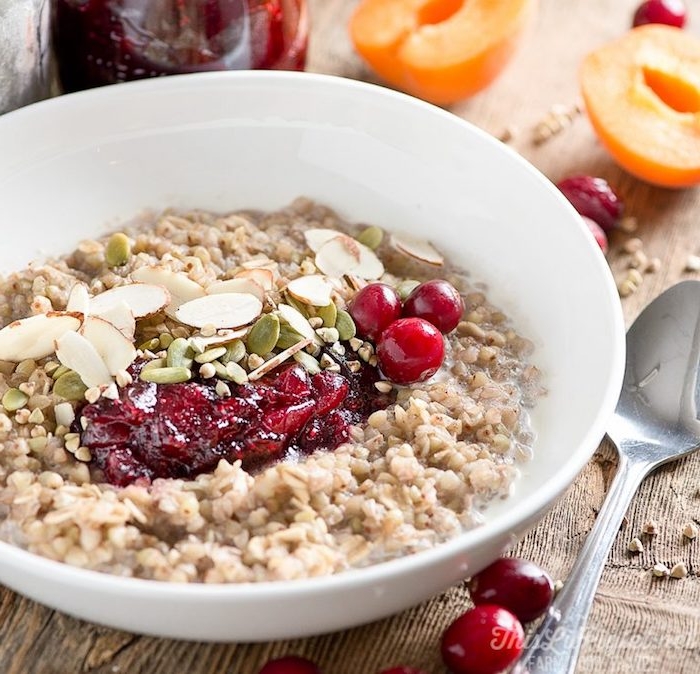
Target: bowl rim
{"points": [[503, 524]]}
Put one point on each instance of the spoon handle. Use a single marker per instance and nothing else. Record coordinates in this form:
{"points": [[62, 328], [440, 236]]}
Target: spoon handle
{"points": [[555, 645]]}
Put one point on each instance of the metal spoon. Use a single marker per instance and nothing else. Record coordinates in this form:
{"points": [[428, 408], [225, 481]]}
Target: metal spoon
{"points": [[656, 421]]}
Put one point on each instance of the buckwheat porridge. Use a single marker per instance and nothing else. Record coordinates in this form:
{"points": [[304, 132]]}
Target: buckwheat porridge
{"points": [[208, 398]]}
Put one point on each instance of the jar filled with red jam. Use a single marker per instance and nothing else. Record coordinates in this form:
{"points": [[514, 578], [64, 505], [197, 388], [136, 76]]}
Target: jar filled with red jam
{"points": [[99, 42]]}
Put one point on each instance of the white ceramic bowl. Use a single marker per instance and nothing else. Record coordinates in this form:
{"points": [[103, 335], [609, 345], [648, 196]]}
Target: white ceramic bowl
{"points": [[74, 166]]}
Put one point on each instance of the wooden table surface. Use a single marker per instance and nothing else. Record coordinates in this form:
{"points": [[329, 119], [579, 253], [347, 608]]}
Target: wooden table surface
{"points": [[639, 623]]}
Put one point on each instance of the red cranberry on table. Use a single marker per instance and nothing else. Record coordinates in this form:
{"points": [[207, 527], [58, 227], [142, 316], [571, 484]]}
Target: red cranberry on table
{"points": [[518, 585], [373, 308], [669, 12], [594, 198], [410, 350], [485, 640], [598, 234], [290, 664], [436, 301]]}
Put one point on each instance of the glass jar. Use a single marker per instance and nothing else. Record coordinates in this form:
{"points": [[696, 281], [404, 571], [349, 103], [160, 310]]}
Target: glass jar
{"points": [[100, 42]]}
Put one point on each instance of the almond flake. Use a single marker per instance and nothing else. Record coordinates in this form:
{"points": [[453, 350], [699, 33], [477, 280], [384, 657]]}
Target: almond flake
{"points": [[417, 248], [35, 337], [116, 351], [296, 320], [261, 276], [79, 299], [75, 352], [225, 310], [338, 256], [237, 285], [180, 286], [316, 238], [278, 359], [122, 318], [313, 289], [144, 299], [370, 266]]}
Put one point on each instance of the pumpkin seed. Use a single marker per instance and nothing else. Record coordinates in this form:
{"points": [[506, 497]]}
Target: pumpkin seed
{"points": [[210, 354], [236, 373], [26, 368], [307, 361], [299, 306], [288, 337], [70, 386], [345, 326], [166, 375], [14, 399], [118, 250], [235, 351], [264, 334], [59, 372], [150, 344], [371, 237], [166, 339], [329, 314], [180, 354], [155, 363], [405, 288]]}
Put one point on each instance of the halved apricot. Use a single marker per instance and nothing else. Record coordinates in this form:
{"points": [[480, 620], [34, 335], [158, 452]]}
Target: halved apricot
{"points": [[642, 95], [439, 50]]}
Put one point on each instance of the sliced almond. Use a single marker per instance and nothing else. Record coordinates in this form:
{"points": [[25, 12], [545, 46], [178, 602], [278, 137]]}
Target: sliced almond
{"points": [[79, 299], [296, 320], [278, 359], [224, 310], [144, 299], [338, 256], [237, 285], [35, 337], [75, 352], [316, 238], [114, 348], [180, 286], [420, 249], [370, 266], [263, 277], [122, 318], [313, 289]]}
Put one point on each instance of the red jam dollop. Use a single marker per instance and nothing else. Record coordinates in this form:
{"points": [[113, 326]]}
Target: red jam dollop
{"points": [[181, 430]]}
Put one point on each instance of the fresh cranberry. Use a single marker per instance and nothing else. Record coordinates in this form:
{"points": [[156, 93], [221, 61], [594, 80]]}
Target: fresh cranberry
{"points": [[669, 12], [291, 664], [402, 670], [516, 584], [436, 301], [181, 430], [373, 308], [484, 640], [594, 198], [410, 350], [600, 236]]}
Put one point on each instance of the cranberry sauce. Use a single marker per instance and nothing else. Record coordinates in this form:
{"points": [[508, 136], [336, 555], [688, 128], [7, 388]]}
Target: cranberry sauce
{"points": [[106, 41], [181, 430]]}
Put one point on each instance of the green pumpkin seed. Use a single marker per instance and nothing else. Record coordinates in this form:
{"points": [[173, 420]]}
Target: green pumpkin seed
{"points": [[155, 363], [210, 354], [118, 250], [166, 375], [264, 334], [329, 314], [59, 372], [70, 386], [26, 368], [307, 361], [14, 399], [180, 353], [166, 339], [236, 373], [150, 344], [405, 288], [288, 337], [235, 351], [371, 237], [345, 326], [302, 308]]}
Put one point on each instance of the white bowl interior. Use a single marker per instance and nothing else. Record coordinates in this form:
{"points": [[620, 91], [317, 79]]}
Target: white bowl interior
{"points": [[78, 165]]}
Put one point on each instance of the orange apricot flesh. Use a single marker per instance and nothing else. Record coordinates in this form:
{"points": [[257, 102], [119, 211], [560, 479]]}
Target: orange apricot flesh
{"points": [[642, 96], [440, 50]]}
